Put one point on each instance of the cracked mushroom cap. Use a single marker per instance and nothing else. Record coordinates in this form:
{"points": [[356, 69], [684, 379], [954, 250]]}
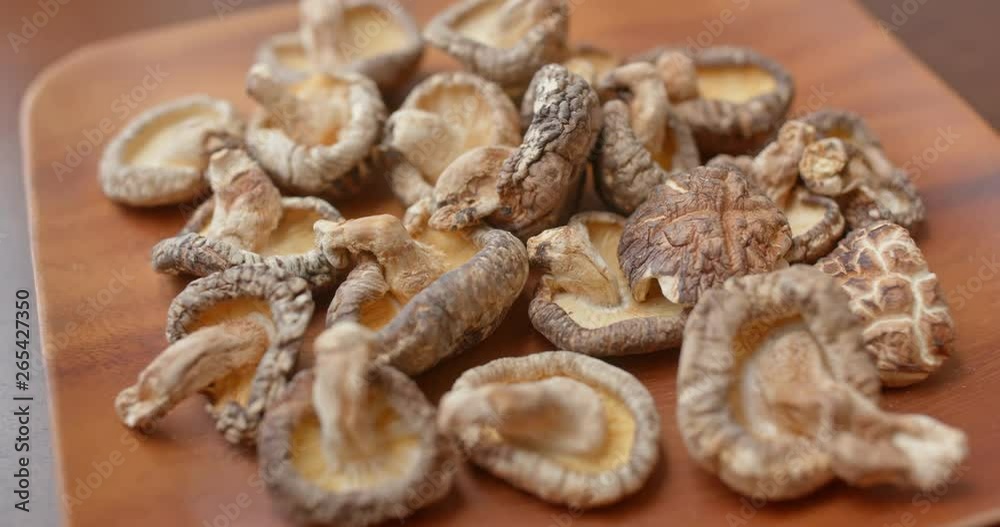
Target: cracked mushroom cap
{"points": [[505, 41], [583, 302], [316, 136], [159, 158], [687, 242], [444, 117], [538, 184], [428, 293], [375, 38], [591, 62], [353, 441], [644, 141], [568, 428], [234, 337], [742, 97], [248, 222], [775, 394], [816, 221], [908, 327]]}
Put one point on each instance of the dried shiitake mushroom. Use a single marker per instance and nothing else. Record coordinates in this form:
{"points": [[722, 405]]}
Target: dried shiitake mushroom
{"points": [[247, 221], [536, 186], [375, 38], [849, 164], [908, 327], [644, 141], [160, 157], [583, 302], [353, 441], [428, 293], [443, 117], [590, 62], [776, 395], [816, 221], [315, 136], [568, 428], [234, 336], [689, 241], [741, 96], [505, 41]]}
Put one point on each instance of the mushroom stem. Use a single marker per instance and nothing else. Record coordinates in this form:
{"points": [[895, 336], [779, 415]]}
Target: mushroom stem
{"points": [[306, 111], [557, 414], [341, 393], [409, 265], [571, 264], [247, 204], [834, 167], [776, 168], [193, 364], [649, 106], [321, 22], [679, 76]]}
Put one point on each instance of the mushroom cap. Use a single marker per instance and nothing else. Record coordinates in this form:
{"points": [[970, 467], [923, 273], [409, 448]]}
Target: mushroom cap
{"points": [[545, 475], [908, 327], [390, 68], [714, 360], [720, 226], [737, 125], [168, 171], [817, 225], [453, 313], [619, 329], [428, 479], [591, 62], [191, 253], [336, 170], [288, 302], [844, 124], [446, 115], [625, 171], [539, 29]]}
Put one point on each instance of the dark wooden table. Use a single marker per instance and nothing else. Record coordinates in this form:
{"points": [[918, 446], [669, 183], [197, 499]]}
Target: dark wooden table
{"points": [[956, 39]]}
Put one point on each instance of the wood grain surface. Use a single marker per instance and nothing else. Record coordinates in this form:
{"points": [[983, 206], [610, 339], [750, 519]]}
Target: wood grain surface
{"points": [[103, 309]]}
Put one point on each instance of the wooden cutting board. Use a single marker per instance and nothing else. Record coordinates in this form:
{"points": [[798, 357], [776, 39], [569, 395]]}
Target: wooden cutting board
{"points": [[103, 309]]}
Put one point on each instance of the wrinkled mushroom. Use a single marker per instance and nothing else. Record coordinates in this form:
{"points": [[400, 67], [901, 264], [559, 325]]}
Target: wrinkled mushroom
{"points": [[443, 117], [353, 441], [234, 337], [375, 38], [742, 96], [583, 302], [160, 157], [565, 427], [816, 221], [537, 186], [590, 62], [505, 41], [315, 137], [775, 392], [687, 242], [247, 221], [644, 141], [849, 164], [908, 327], [428, 293]]}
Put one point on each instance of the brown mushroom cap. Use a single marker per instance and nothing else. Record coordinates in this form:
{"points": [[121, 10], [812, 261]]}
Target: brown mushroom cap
{"points": [[283, 240], [743, 98], [583, 302], [445, 116], [908, 327], [688, 242], [776, 392], [816, 223], [159, 157], [235, 337], [644, 141], [538, 184], [407, 471], [849, 164], [505, 41], [430, 294], [315, 137], [375, 38], [499, 411]]}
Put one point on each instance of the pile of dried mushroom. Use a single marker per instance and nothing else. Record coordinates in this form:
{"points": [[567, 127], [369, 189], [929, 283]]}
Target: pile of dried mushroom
{"points": [[776, 254]]}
